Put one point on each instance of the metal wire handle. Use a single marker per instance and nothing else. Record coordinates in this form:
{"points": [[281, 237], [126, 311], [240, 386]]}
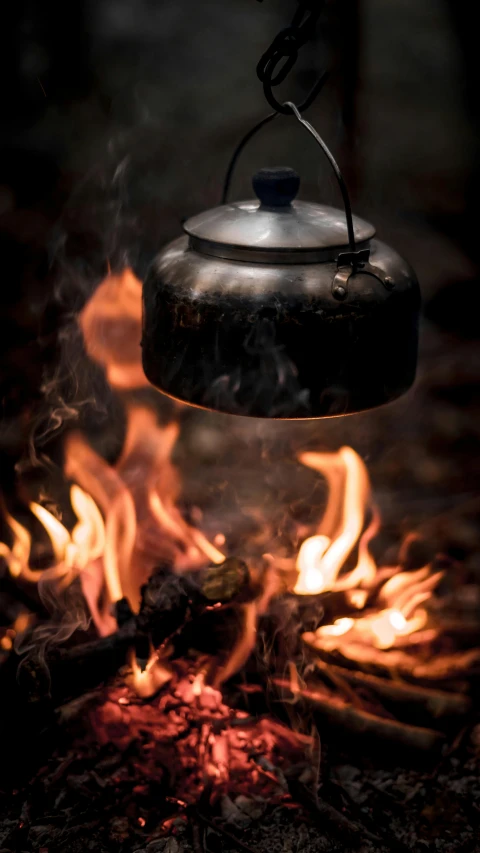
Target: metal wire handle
{"points": [[293, 110]]}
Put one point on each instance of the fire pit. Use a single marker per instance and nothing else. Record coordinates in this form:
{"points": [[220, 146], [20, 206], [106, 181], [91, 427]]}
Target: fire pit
{"points": [[201, 659]]}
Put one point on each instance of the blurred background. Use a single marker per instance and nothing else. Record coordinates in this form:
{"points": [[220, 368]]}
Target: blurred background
{"points": [[118, 120]]}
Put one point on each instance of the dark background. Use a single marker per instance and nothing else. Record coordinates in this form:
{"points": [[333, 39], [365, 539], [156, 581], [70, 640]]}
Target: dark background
{"points": [[118, 118]]}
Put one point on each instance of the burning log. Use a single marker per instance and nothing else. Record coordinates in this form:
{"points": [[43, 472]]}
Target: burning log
{"points": [[437, 669], [169, 602]]}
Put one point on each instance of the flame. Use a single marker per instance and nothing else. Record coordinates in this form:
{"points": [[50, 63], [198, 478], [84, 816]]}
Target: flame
{"points": [[127, 521], [102, 482], [75, 554], [339, 627], [381, 629], [17, 556], [146, 453], [323, 556], [149, 680], [20, 624], [143, 525], [312, 579], [111, 324], [71, 552]]}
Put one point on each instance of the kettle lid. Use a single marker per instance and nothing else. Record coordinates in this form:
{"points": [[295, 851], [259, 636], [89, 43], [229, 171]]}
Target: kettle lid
{"points": [[274, 223]]}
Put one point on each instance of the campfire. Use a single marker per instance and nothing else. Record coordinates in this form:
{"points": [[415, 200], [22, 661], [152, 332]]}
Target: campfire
{"points": [[210, 655]]}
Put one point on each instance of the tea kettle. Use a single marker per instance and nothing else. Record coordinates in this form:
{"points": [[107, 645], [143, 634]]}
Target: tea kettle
{"points": [[280, 308]]}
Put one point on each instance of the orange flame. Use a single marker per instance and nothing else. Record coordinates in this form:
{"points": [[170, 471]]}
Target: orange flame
{"points": [[322, 557], [72, 552], [75, 554], [111, 323], [138, 497], [149, 680], [127, 521], [21, 623], [381, 629]]}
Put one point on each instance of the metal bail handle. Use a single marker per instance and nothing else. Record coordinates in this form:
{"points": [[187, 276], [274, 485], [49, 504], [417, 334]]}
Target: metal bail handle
{"points": [[348, 263]]}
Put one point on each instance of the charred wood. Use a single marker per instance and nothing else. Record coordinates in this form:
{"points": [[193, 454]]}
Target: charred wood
{"points": [[169, 603]]}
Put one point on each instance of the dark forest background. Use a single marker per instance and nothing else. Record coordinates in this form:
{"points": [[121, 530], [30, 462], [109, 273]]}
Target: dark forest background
{"points": [[118, 118]]}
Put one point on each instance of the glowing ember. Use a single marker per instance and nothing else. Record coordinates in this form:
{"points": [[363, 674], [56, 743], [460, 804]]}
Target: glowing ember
{"points": [[190, 738], [198, 683]]}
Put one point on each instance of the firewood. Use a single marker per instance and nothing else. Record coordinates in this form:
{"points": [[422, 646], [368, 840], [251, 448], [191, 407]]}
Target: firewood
{"points": [[338, 712], [436, 704], [169, 602], [447, 669]]}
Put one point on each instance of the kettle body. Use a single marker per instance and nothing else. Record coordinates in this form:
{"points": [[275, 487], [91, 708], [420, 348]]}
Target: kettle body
{"points": [[267, 331]]}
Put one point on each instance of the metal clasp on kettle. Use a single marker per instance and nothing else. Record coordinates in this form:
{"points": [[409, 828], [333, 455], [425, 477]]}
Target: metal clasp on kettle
{"points": [[348, 264]]}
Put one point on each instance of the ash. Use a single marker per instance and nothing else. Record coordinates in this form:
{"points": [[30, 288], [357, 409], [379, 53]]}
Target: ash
{"points": [[186, 773]]}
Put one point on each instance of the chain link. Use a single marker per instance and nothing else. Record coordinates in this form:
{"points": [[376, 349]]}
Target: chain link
{"points": [[278, 60]]}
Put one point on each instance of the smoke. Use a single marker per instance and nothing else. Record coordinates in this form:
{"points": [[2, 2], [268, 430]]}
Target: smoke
{"points": [[96, 234], [66, 388], [76, 391], [68, 614]]}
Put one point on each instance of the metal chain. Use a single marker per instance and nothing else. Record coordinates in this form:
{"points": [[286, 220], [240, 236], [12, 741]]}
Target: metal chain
{"points": [[278, 60]]}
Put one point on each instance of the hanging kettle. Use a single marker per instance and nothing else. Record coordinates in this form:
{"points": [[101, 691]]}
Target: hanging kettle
{"points": [[280, 308]]}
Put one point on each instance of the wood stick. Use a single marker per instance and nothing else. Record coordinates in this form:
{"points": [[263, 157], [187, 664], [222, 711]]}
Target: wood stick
{"points": [[436, 703], [339, 712]]}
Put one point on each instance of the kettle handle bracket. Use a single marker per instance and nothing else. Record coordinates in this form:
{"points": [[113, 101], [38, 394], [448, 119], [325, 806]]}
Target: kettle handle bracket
{"points": [[348, 264]]}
